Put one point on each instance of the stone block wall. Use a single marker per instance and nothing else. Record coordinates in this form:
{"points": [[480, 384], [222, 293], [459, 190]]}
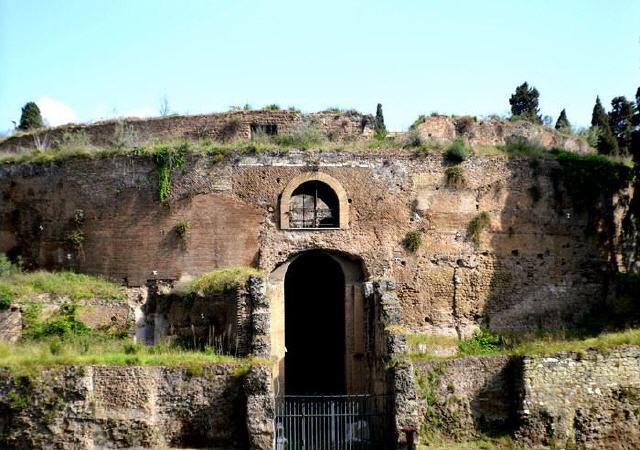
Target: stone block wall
{"points": [[590, 399], [465, 397], [123, 407], [586, 400]]}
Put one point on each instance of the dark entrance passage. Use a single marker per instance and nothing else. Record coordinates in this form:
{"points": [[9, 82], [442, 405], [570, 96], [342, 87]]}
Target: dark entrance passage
{"points": [[314, 326]]}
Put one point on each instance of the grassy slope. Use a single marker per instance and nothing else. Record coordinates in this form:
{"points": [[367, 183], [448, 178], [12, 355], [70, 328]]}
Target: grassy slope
{"points": [[19, 285]]}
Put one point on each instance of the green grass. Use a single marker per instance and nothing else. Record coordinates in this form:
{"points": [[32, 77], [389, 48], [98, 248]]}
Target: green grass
{"points": [[21, 285], [222, 280], [486, 343], [92, 350]]}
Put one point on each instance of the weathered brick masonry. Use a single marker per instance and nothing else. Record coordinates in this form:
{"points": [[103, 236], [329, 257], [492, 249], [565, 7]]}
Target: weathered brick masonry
{"points": [[533, 265]]}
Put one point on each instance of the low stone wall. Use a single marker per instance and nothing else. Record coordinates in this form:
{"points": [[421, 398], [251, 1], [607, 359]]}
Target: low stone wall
{"points": [[136, 407], [468, 396], [444, 129], [591, 399], [585, 400]]}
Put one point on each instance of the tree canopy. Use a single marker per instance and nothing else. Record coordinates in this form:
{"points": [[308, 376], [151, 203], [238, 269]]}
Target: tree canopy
{"points": [[31, 118], [524, 103]]}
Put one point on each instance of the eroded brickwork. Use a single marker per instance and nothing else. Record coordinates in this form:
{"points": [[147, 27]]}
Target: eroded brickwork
{"points": [[534, 264]]}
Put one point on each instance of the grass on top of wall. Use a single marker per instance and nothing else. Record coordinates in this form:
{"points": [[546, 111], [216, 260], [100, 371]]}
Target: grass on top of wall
{"points": [[31, 356], [484, 342], [16, 284], [223, 280]]}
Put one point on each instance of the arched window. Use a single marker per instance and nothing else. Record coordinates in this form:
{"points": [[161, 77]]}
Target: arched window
{"points": [[314, 205], [312, 201]]}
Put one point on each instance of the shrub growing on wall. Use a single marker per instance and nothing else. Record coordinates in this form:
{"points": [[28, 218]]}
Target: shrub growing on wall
{"points": [[455, 177], [477, 226], [167, 159], [413, 240], [457, 151]]}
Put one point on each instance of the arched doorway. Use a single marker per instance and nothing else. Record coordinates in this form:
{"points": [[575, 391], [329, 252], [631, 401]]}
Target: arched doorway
{"points": [[314, 288]]}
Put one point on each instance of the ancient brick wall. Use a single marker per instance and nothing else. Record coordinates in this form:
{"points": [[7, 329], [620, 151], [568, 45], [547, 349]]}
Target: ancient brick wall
{"points": [[222, 127], [533, 265], [444, 129]]}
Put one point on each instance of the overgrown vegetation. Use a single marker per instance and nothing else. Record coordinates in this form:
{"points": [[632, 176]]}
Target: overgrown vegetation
{"points": [[477, 226], [588, 177], [222, 280], [168, 159], [16, 284], [457, 151], [33, 355], [31, 118], [482, 342], [455, 177], [182, 229], [413, 240]]}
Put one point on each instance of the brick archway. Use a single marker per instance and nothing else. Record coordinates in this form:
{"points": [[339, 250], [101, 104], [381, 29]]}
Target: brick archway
{"points": [[285, 200]]}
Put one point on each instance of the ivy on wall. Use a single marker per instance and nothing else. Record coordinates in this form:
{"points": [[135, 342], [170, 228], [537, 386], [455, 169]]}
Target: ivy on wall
{"points": [[167, 159]]}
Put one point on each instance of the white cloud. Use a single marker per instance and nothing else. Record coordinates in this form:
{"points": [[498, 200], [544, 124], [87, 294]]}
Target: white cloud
{"points": [[54, 112]]}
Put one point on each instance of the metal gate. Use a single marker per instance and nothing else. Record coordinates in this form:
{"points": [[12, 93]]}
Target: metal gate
{"points": [[330, 422]]}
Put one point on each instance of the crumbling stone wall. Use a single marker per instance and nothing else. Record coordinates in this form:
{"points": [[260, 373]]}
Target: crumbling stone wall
{"points": [[221, 127], [496, 132], [123, 407], [590, 399], [464, 398], [533, 265]]}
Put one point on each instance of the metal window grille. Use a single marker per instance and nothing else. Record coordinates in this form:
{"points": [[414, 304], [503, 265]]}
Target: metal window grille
{"points": [[309, 211]]}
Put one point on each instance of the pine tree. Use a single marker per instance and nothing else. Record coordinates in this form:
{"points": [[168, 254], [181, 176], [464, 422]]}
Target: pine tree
{"points": [[607, 143], [524, 103], [621, 123], [562, 124], [635, 138], [31, 117], [379, 127]]}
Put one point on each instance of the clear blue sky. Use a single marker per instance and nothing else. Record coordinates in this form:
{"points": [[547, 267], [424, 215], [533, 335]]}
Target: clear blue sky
{"points": [[90, 59]]}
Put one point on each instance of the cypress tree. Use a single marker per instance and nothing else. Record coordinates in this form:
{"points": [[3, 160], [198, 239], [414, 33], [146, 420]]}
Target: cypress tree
{"points": [[599, 116], [524, 103], [31, 117], [562, 124], [379, 127]]}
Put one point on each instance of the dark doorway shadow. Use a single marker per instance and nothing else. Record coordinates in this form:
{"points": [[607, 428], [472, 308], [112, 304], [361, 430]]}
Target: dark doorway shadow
{"points": [[314, 326]]}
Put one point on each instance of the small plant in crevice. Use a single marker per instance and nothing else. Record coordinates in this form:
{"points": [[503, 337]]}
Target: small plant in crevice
{"points": [[75, 237], [168, 159], [457, 151], [455, 177], [477, 225], [413, 240], [182, 229], [535, 194]]}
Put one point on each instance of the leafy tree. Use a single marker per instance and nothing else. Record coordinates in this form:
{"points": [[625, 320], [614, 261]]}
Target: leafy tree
{"points": [[621, 122], [379, 127], [31, 117], [562, 124], [524, 103], [635, 138]]}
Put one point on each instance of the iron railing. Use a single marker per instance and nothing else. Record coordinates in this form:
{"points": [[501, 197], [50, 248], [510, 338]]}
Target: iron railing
{"points": [[331, 422]]}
